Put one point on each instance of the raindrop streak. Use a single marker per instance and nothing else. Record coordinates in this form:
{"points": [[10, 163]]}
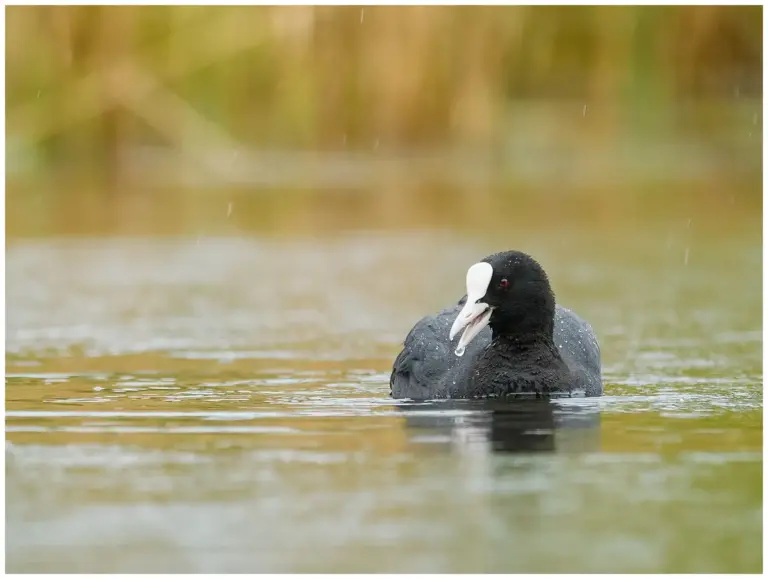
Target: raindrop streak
{"points": [[229, 209], [685, 259], [584, 111], [362, 15]]}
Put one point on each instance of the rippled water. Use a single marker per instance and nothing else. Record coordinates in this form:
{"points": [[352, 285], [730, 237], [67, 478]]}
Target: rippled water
{"points": [[221, 404]]}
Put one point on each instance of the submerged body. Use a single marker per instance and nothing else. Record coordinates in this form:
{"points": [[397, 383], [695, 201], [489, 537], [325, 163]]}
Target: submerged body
{"points": [[528, 345]]}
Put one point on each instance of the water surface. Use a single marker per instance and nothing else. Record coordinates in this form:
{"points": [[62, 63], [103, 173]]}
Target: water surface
{"points": [[220, 404]]}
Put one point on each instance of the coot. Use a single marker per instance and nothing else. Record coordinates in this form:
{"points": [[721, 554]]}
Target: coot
{"points": [[514, 340]]}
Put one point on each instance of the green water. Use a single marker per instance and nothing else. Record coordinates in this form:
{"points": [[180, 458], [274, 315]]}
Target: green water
{"points": [[220, 404]]}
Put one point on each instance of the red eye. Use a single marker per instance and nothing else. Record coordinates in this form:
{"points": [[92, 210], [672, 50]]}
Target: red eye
{"points": [[504, 283]]}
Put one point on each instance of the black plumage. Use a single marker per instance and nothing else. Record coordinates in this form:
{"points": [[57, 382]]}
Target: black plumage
{"points": [[531, 346]]}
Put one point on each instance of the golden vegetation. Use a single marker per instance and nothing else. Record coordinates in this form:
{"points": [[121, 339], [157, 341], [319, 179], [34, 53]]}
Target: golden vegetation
{"points": [[328, 77]]}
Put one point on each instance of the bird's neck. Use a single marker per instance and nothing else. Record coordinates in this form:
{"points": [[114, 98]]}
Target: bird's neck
{"points": [[522, 328], [523, 341]]}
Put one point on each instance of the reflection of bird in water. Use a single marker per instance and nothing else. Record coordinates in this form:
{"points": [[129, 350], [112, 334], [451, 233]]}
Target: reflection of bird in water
{"points": [[534, 425]]}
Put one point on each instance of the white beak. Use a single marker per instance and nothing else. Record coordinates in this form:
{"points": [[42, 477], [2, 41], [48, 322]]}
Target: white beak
{"points": [[475, 314]]}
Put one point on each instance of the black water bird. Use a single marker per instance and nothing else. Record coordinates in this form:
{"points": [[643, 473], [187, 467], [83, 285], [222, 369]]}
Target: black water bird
{"points": [[516, 341]]}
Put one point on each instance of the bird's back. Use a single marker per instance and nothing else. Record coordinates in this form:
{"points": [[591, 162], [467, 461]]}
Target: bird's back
{"points": [[428, 358]]}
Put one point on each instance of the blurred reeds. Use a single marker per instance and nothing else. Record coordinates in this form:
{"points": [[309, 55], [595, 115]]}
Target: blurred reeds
{"points": [[549, 92], [307, 76]]}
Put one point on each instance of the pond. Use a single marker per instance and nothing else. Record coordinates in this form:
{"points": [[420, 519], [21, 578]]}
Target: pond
{"points": [[201, 403]]}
